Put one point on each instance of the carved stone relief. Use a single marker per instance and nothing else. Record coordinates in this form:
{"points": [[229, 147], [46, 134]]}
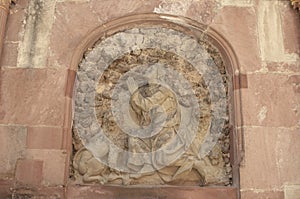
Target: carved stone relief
{"points": [[151, 108], [295, 4]]}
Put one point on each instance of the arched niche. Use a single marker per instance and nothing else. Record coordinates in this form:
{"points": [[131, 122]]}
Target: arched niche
{"points": [[212, 43]]}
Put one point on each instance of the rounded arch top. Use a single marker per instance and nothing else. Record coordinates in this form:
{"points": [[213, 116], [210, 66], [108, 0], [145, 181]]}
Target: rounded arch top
{"points": [[185, 25], [188, 27]]}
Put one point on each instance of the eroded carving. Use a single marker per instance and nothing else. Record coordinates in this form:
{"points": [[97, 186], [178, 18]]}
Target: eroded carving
{"points": [[156, 115], [295, 4]]}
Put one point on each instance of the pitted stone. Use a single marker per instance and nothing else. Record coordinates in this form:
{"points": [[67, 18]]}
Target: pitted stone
{"points": [[201, 96]]}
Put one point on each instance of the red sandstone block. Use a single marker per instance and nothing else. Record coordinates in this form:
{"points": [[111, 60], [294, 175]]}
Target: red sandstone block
{"points": [[39, 193], [12, 146], [9, 55], [241, 33], [260, 170], [15, 20], [70, 83], [262, 195], [78, 19], [108, 10], [290, 26], [72, 21], [270, 160], [29, 172], [44, 138], [32, 96], [270, 100], [6, 189], [202, 11], [108, 192], [295, 81], [283, 67], [54, 167], [288, 158]]}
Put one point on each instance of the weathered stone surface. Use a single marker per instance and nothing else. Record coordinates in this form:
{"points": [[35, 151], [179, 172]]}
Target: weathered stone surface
{"points": [[290, 28], [187, 77], [44, 138], [201, 11], [261, 194], [241, 33], [54, 165], [6, 189], [287, 148], [266, 105], [111, 9], [283, 67], [73, 20], [32, 97], [291, 191], [23, 192], [270, 33], [33, 50], [108, 192], [29, 172], [239, 3], [9, 55], [15, 20], [268, 160], [11, 136]]}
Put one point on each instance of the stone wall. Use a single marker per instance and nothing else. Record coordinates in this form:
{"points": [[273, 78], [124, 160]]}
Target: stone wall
{"points": [[37, 71]]}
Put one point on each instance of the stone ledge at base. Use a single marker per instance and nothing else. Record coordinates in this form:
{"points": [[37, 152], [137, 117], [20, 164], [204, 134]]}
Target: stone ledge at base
{"points": [[7, 191], [117, 192]]}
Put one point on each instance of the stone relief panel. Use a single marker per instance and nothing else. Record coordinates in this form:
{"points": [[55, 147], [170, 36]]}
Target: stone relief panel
{"points": [[152, 108]]}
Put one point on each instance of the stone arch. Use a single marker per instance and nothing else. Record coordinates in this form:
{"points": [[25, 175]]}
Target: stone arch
{"points": [[181, 24]]}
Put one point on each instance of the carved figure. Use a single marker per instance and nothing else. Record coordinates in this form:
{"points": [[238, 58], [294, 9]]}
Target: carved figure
{"points": [[91, 169], [152, 103], [145, 103], [210, 174]]}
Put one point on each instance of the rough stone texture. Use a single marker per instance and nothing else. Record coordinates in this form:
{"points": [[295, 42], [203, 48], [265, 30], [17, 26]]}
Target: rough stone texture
{"points": [[15, 20], [265, 106], [38, 193], [239, 3], [258, 194], [33, 97], [36, 98], [34, 46], [291, 191], [190, 68], [200, 10], [283, 67], [53, 165], [78, 192], [269, 160], [10, 54], [108, 10], [270, 33], [242, 35], [291, 27], [11, 136], [68, 30], [29, 172], [6, 189], [44, 138]]}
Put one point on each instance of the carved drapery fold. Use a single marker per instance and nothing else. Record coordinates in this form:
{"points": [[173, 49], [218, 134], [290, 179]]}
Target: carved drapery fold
{"points": [[296, 4]]}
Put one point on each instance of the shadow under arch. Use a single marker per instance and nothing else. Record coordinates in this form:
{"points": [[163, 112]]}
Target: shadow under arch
{"points": [[189, 27]]}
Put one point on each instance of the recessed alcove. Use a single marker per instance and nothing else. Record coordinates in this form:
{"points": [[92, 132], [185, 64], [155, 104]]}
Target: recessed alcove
{"points": [[154, 105]]}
